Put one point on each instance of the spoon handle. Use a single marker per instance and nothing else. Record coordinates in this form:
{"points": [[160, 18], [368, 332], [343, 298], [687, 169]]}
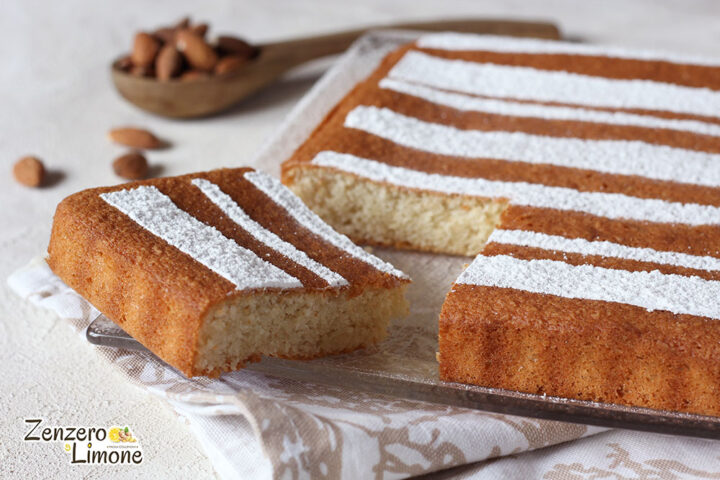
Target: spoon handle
{"points": [[295, 52]]}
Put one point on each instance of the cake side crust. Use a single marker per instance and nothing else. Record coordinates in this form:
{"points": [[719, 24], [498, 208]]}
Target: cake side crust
{"points": [[120, 277], [587, 350]]}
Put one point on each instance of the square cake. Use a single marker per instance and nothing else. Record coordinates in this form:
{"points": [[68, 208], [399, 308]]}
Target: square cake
{"points": [[585, 180], [212, 270]]}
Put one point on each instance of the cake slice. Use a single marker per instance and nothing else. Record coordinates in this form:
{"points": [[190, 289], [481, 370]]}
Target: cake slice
{"points": [[212, 270], [595, 174]]}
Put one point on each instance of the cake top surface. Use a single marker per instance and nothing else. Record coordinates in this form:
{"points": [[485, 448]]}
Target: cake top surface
{"points": [[227, 232], [608, 159]]}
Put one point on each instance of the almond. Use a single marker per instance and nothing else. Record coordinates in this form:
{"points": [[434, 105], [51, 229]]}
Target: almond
{"points": [[230, 63], [135, 137], [193, 75], [200, 29], [131, 166], [145, 48], [124, 64], [236, 46], [182, 24], [168, 63], [197, 52], [165, 34], [139, 71], [29, 171]]}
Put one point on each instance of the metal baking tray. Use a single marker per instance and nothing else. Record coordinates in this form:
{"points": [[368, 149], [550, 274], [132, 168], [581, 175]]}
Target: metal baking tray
{"points": [[424, 385], [404, 365]]}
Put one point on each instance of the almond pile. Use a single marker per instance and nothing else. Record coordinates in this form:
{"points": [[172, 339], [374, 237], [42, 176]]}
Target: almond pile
{"points": [[181, 52]]}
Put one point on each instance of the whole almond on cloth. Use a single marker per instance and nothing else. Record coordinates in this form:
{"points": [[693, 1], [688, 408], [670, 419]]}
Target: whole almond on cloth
{"points": [[235, 46], [145, 48], [131, 166], [29, 171], [198, 53], [230, 63], [168, 63], [135, 137]]}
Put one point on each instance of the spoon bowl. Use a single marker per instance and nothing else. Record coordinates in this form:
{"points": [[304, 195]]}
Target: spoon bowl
{"points": [[216, 93], [194, 98]]}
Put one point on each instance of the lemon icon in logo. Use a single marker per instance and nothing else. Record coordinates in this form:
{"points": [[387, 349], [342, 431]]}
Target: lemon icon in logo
{"points": [[67, 447], [114, 434]]}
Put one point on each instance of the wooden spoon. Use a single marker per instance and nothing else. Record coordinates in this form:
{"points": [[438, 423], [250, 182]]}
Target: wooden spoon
{"points": [[204, 97]]}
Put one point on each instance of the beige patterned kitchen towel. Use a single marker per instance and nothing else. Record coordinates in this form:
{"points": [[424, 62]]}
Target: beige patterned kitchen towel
{"points": [[257, 426], [265, 427]]}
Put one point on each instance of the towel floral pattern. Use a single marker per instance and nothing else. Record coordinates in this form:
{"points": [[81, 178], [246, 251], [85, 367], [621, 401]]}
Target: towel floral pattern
{"points": [[307, 430], [313, 431], [621, 464]]}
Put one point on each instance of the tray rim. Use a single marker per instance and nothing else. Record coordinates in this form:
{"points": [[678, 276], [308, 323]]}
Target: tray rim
{"points": [[103, 332]]}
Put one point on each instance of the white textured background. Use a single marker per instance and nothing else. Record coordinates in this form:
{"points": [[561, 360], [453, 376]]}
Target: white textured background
{"points": [[56, 101]]}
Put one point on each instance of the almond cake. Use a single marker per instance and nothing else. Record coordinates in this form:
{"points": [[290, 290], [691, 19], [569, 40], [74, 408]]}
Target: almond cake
{"points": [[585, 180]]}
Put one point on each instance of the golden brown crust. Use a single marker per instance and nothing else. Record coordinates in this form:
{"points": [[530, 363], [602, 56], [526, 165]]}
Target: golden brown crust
{"points": [[589, 350], [694, 240], [534, 253], [332, 135], [363, 145], [160, 295], [690, 75], [120, 268], [485, 121]]}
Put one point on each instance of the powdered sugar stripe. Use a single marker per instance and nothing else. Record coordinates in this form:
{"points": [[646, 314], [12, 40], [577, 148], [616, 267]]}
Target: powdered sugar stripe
{"points": [[650, 290], [155, 212], [303, 215], [621, 157], [526, 238], [470, 42], [610, 205], [238, 215], [553, 86], [469, 103]]}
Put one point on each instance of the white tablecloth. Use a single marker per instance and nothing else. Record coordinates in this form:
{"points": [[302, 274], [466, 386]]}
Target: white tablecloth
{"points": [[58, 103]]}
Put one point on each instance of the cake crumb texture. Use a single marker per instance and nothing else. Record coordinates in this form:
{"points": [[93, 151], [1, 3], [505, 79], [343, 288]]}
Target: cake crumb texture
{"points": [[380, 214]]}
